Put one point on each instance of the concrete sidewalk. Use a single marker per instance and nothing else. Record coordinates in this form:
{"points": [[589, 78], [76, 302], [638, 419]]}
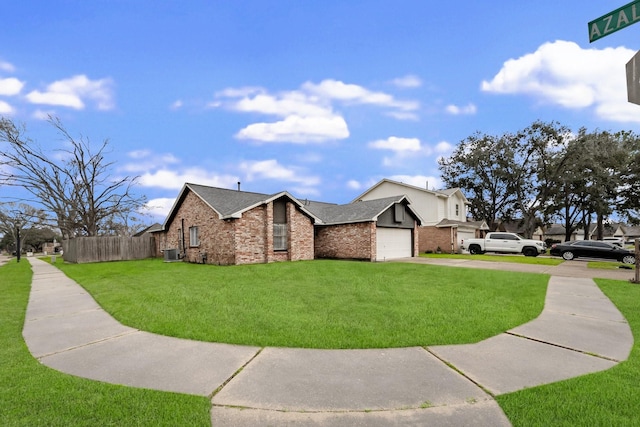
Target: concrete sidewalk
{"points": [[578, 332]]}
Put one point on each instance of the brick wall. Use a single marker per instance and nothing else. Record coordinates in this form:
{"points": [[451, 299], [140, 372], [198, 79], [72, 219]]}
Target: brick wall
{"points": [[347, 241], [301, 239], [216, 236], [253, 236], [246, 240], [430, 238]]}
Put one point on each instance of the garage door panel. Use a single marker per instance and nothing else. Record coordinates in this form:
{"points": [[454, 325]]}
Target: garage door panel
{"points": [[393, 243]]}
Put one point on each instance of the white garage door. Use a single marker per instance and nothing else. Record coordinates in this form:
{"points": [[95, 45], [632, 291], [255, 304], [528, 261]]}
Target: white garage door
{"points": [[393, 243]]}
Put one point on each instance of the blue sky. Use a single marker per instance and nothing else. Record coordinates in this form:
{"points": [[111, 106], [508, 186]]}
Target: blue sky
{"points": [[321, 99]]}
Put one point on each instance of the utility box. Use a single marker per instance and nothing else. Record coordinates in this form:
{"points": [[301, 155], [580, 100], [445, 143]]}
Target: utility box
{"points": [[171, 255]]}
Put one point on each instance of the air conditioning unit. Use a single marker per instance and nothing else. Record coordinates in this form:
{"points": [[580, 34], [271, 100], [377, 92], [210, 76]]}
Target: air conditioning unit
{"points": [[171, 255]]}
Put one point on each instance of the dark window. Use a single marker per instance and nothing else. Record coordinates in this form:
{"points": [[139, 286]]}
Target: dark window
{"points": [[280, 212], [280, 240], [398, 212]]}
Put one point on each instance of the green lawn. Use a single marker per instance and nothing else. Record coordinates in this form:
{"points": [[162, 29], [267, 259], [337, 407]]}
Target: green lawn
{"points": [[31, 394], [314, 304], [34, 395], [608, 398]]}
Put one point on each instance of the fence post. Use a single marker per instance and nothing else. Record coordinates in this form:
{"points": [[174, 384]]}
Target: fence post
{"points": [[637, 277]]}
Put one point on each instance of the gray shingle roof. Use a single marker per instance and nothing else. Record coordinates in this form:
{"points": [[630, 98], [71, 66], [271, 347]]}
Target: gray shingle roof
{"points": [[352, 212], [228, 202], [232, 203]]}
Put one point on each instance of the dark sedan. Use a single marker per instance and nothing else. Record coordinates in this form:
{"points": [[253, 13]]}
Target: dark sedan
{"points": [[592, 249]]}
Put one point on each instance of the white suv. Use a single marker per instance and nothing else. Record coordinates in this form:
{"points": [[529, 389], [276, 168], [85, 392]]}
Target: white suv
{"points": [[614, 241]]}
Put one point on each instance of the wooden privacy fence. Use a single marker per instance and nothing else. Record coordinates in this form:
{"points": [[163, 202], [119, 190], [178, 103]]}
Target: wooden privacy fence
{"points": [[97, 249]]}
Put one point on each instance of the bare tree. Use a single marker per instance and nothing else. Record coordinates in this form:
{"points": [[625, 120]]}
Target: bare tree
{"points": [[78, 190]]}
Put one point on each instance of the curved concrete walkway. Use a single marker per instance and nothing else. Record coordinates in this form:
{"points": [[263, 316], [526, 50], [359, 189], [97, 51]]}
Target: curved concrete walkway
{"points": [[579, 331]]}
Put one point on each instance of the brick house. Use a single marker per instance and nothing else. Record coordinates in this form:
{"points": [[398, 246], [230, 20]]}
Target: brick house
{"points": [[221, 226]]}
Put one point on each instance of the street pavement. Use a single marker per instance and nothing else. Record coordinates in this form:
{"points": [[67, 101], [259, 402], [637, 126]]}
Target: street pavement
{"points": [[578, 332]]}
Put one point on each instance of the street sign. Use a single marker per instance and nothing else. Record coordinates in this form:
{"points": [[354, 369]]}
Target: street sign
{"points": [[614, 21], [633, 79]]}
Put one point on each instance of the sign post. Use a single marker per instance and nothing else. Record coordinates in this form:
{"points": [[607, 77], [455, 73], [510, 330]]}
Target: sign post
{"points": [[614, 21], [633, 79]]}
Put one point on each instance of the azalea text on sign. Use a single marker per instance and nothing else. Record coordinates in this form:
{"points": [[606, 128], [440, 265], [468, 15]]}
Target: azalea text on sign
{"points": [[614, 21]]}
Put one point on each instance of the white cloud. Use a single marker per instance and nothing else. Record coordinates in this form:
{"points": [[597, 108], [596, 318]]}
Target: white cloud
{"points": [[443, 147], [297, 129], [240, 92], [408, 81], [175, 179], [352, 184], [5, 108], [456, 110], [397, 144], [159, 207], [567, 75], [403, 115], [145, 160], [6, 66], [335, 89], [307, 114], [299, 191], [271, 169], [10, 86], [177, 104], [74, 92], [164, 171], [406, 151], [284, 105]]}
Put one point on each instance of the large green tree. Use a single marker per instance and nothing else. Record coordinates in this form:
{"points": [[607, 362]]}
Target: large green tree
{"points": [[539, 160], [510, 176], [478, 165], [629, 188]]}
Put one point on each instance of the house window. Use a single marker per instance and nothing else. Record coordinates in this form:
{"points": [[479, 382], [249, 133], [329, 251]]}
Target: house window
{"points": [[279, 237], [280, 240], [457, 209], [398, 212], [194, 238]]}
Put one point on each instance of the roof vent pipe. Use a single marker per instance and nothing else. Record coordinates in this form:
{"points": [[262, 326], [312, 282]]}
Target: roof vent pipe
{"points": [[238, 185]]}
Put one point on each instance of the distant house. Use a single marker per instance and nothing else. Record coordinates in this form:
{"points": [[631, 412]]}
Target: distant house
{"points": [[557, 232], [222, 226], [443, 213], [150, 229], [627, 233]]}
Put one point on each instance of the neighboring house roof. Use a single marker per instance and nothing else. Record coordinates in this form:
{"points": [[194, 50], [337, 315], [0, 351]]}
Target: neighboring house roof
{"points": [[230, 204], [555, 230], [438, 193], [360, 211], [478, 225], [150, 229], [630, 231]]}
